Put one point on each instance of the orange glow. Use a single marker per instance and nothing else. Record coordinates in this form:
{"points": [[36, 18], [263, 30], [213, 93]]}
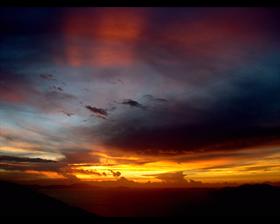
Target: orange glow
{"points": [[144, 168], [120, 25], [205, 170], [138, 172], [46, 174]]}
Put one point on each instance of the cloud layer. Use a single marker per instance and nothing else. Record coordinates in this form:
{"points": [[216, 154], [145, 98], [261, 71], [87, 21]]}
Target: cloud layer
{"points": [[176, 90]]}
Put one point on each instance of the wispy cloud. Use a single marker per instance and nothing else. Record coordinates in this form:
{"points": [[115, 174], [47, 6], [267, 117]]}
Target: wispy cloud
{"points": [[99, 112]]}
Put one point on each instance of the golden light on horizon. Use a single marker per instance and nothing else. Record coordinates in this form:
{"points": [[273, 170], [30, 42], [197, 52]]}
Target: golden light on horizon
{"points": [[145, 168], [208, 170]]}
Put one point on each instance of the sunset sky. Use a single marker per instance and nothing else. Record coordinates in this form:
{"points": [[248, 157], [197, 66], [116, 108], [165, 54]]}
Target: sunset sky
{"points": [[167, 95]]}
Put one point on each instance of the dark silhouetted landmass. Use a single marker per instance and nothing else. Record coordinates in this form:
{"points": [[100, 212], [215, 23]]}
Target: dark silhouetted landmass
{"points": [[249, 200], [118, 202], [18, 200]]}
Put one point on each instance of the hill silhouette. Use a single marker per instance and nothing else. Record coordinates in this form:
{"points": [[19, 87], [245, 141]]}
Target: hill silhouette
{"points": [[249, 200], [245, 200], [18, 200]]}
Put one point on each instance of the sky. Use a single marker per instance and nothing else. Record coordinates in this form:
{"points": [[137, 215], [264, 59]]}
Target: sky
{"points": [[177, 96]]}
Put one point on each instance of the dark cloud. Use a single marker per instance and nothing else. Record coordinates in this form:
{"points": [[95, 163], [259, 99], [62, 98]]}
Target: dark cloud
{"points": [[62, 167], [133, 103], [20, 164], [25, 166], [79, 155], [56, 88], [239, 154], [64, 171], [99, 112], [68, 113], [242, 113], [115, 174], [24, 159], [59, 89], [123, 180]]}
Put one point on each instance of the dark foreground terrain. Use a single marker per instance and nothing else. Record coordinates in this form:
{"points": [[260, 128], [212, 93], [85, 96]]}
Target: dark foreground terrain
{"points": [[17, 200], [253, 200]]}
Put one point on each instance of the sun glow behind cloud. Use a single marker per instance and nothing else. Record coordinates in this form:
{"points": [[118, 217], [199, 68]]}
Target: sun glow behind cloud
{"points": [[224, 169]]}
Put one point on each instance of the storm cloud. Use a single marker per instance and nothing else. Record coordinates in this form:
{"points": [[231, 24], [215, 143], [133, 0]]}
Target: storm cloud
{"points": [[244, 115]]}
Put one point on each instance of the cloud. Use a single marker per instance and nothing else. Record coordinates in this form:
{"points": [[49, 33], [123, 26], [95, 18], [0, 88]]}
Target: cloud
{"points": [[68, 174], [17, 164], [125, 181], [56, 88], [99, 112], [68, 113], [175, 177], [115, 174], [91, 172], [133, 103], [48, 77], [261, 168], [208, 90], [240, 113], [24, 159], [62, 168], [79, 155], [22, 90], [178, 179], [155, 99]]}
